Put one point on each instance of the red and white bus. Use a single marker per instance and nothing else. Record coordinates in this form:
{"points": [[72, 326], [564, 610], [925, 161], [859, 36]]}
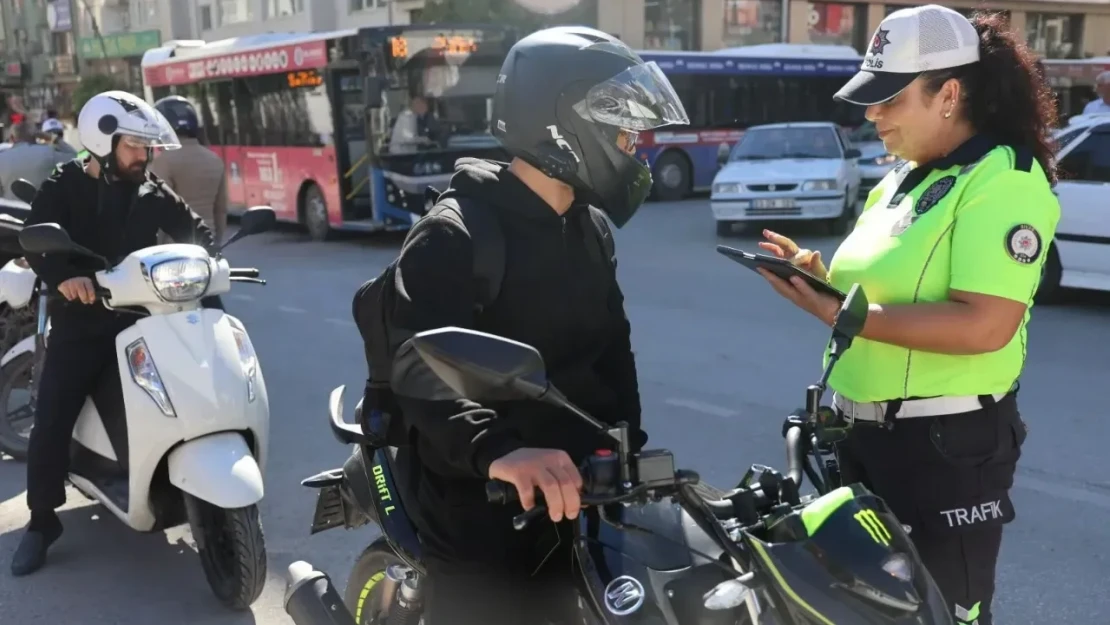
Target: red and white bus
{"points": [[302, 121]]}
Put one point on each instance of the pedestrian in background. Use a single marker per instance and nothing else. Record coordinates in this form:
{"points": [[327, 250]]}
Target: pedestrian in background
{"points": [[194, 172], [28, 159]]}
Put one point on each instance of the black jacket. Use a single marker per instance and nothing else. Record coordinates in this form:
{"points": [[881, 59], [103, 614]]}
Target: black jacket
{"points": [[111, 219], [555, 296]]}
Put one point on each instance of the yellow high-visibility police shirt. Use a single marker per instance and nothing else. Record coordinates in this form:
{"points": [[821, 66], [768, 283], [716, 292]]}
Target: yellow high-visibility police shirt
{"points": [[979, 220]]}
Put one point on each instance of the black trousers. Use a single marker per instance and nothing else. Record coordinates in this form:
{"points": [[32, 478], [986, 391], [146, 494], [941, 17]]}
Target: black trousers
{"points": [[948, 478], [76, 367]]}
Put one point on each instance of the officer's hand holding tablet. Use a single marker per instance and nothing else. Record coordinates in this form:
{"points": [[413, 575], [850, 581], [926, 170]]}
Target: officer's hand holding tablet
{"points": [[949, 248]]}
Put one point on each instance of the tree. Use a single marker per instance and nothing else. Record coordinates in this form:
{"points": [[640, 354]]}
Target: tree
{"points": [[90, 86], [506, 12]]}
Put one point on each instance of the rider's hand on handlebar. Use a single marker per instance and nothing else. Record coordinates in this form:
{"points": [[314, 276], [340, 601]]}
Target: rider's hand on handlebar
{"points": [[551, 470], [784, 247], [78, 288]]}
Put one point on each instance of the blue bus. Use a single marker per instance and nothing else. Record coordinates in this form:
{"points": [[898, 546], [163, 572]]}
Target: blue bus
{"points": [[728, 90]]}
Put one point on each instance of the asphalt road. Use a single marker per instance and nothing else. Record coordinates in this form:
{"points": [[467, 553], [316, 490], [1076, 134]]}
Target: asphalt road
{"points": [[721, 360]]}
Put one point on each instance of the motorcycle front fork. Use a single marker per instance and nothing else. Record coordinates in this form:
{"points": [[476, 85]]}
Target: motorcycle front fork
{"points": [[403, 596]]}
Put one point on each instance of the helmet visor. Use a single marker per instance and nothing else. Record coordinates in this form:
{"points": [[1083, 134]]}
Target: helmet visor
{"points": [[148, 129], [637, 99]]}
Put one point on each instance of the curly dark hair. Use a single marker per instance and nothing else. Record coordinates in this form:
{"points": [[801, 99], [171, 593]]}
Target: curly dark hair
{"points": [[1005, 95]]}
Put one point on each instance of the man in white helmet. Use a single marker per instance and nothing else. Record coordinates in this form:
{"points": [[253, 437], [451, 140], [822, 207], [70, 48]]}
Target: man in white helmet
{"points": [[110, 204]]}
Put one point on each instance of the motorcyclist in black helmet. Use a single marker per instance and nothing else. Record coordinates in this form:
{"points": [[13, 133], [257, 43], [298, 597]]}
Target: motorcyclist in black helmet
{"points": [[569, 105]]}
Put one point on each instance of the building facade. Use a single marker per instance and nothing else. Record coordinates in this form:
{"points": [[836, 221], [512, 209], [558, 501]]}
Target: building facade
{"points": [[219, 19], [37, 50], [1053, 28]]}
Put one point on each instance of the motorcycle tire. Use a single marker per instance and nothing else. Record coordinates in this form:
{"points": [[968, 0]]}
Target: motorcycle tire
{"points": [[364, 587], [14, 372], [233, 554]]}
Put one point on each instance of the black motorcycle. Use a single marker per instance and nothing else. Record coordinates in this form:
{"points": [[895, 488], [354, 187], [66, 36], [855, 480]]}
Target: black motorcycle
{"points": [[655, 545]]}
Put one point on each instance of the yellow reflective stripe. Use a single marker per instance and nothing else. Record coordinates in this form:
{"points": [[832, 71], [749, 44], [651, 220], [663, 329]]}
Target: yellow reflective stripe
{"points": [[786, 587], [370, 583]]}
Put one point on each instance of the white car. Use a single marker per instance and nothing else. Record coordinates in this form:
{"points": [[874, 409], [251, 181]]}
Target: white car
{"points": [[1079, 257], [874, 161], [803, 171]]}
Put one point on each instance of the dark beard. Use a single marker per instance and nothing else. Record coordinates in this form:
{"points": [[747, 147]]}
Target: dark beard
{"points": [[135, 174]]}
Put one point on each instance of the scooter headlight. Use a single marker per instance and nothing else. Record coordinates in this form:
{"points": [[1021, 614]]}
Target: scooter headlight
{"points": [[145, 374], [247, 359], [181, 279]]}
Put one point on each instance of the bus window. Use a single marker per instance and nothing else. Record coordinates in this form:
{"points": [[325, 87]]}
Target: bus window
{"points": [[277, 115], [220, 106]]}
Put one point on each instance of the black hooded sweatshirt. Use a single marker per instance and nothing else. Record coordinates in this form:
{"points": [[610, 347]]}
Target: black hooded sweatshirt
{"points": [[113, 220], [556, 296]]}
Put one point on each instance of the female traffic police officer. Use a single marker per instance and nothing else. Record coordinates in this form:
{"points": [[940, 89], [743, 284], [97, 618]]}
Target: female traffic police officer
{"points": [[949, 249]]}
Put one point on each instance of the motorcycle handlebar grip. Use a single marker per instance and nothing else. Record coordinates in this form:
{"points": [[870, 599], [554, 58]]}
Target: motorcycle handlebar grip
{"points": [[794, 454], [522, 520], [500, 492], [246, 272], [101, 293]]}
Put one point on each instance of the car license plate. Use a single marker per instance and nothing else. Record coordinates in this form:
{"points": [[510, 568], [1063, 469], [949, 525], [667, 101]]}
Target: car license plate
{"points": [[778, 203]]}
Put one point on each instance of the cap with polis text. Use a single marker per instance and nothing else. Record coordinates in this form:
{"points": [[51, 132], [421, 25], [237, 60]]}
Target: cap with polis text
{"points": [[907, 43]]}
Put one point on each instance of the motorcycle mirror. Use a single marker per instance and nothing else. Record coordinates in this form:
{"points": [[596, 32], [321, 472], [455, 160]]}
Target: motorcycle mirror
{"points": [[254, 220], [24, 190], [853, 314], [412, 377], [482, 367]]}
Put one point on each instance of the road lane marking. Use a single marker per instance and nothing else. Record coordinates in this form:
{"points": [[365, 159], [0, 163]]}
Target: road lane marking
{"points": [[292, 309], [241, 297], [698, 406], [346, 323]]}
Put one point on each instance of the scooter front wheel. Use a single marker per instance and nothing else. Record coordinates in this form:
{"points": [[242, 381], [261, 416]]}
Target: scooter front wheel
{"points": [[232, 550]]}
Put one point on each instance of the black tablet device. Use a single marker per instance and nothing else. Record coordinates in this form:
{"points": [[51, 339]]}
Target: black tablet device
{"points": [[781, 268]]}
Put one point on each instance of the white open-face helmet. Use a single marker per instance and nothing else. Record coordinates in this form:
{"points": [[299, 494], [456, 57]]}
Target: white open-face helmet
{"points": [[120, 114]]}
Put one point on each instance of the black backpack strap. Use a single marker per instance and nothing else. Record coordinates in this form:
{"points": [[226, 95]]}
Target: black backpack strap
{"points": [[486, 237]]}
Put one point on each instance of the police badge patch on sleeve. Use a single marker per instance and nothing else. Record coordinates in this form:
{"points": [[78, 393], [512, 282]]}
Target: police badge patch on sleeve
{"points": [[1023, 243]]}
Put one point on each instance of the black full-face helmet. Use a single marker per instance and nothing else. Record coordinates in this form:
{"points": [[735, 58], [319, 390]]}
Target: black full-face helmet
{"points": [[571, 102]]}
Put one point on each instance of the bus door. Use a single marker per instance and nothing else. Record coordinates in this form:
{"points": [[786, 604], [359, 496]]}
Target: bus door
{"points": [[221, 103], [349, 110]]}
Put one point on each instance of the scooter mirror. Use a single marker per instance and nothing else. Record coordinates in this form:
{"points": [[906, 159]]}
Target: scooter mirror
{"points": [[256, 220], [24, 190], [483, 367], [853, 314], [48, 238]]}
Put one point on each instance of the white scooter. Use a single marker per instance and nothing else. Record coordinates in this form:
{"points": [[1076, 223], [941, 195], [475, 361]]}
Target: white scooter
{"points": [[189, 442]]}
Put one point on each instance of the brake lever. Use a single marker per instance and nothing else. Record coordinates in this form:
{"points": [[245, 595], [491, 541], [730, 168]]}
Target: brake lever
{"points": [[251, 280]]}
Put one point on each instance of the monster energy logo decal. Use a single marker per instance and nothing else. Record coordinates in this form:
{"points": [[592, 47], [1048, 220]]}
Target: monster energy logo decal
{"points": [[870, 522]]}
